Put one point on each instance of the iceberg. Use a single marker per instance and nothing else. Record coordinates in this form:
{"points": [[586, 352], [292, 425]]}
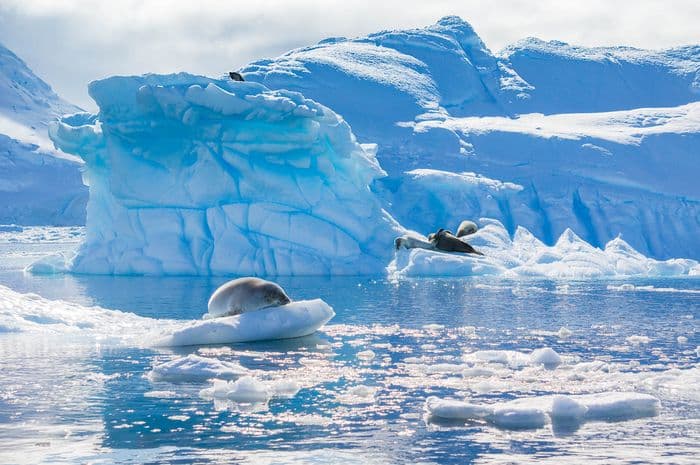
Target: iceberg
{"points": [[196, 176]]}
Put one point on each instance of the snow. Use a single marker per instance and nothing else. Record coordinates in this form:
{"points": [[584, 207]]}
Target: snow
{"points": [[190, 175], [296, 319], [194, 368], [535, 412], [526, 256], [39, 185]]}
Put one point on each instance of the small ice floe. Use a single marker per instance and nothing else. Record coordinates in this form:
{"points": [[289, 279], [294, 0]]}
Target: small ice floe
{"points": [[682, 340], [249, 390], [366, 355], [564, 333], [545, 356], [358, 395], [293, 320], [535, 412], [433, 327], [161, 394], [637, 339], [194, 368]]}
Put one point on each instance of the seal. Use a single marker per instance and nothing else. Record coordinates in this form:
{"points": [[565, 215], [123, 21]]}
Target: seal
{"points": [[466, 228], [448, 242], [411, 242], [245, 295]]}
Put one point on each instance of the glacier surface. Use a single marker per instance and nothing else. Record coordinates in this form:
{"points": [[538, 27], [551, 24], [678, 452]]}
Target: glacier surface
{"points": [[599, 140], [190, 175], [39, 185]]}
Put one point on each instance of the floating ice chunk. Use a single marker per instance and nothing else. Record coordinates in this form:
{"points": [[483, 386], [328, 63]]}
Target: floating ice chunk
{"points": [[566, 409], [366, 355], [433, 327], [246, 390], [296, 319], [194, 368], [564, 333], [637, 339], [510, 358], [619, 406], [534, 412], [285, 388], [545, 356], [160, 394], [682, 340], [510, 416], [56, 263], [457, 410], [358, 395]]}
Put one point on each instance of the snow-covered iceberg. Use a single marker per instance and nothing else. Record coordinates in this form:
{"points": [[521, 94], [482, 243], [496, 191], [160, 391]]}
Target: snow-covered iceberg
{"points": [[190, 175], [526, 256]]}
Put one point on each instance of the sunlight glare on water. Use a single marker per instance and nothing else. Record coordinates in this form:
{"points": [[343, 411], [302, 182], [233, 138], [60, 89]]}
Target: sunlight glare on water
{"points": [[363, 380]]}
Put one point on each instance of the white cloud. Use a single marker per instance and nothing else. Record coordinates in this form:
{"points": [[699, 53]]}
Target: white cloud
{"points": [[70, 42]]}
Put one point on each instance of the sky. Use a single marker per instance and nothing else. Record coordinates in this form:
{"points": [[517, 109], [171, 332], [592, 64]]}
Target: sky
{"points": [[69, 43]]}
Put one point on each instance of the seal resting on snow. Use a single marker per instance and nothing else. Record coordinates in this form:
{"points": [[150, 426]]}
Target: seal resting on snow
{"points": [[448, 242], [245, 295]]}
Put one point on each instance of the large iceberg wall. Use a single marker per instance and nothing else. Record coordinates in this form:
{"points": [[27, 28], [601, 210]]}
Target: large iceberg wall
{"points": [[191, 175], [441, 106]]}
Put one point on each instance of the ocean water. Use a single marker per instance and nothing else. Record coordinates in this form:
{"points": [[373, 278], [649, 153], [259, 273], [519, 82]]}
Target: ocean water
{"points": [[73, 400]]}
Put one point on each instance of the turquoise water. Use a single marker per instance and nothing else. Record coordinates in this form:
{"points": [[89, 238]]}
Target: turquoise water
{"points": [[67, 400]]}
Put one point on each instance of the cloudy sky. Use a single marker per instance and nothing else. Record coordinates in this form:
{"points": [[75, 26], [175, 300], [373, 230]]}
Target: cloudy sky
{"points": [[71, 42]]}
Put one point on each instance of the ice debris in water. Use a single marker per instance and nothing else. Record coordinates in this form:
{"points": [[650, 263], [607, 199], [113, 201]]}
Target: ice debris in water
{"points": [[637, 339], [545, 356], [534, 412], [249, 390], [366, 355], [194, 368]]}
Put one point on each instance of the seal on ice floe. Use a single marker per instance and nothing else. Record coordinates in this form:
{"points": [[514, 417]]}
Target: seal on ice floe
{"points": [[448, 242], [466, 228], [245, 295]]}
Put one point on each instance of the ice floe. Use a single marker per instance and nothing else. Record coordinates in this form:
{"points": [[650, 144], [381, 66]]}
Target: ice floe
{"points": [[526, 256], [295, 319], [194, 368], [535, 412]]}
